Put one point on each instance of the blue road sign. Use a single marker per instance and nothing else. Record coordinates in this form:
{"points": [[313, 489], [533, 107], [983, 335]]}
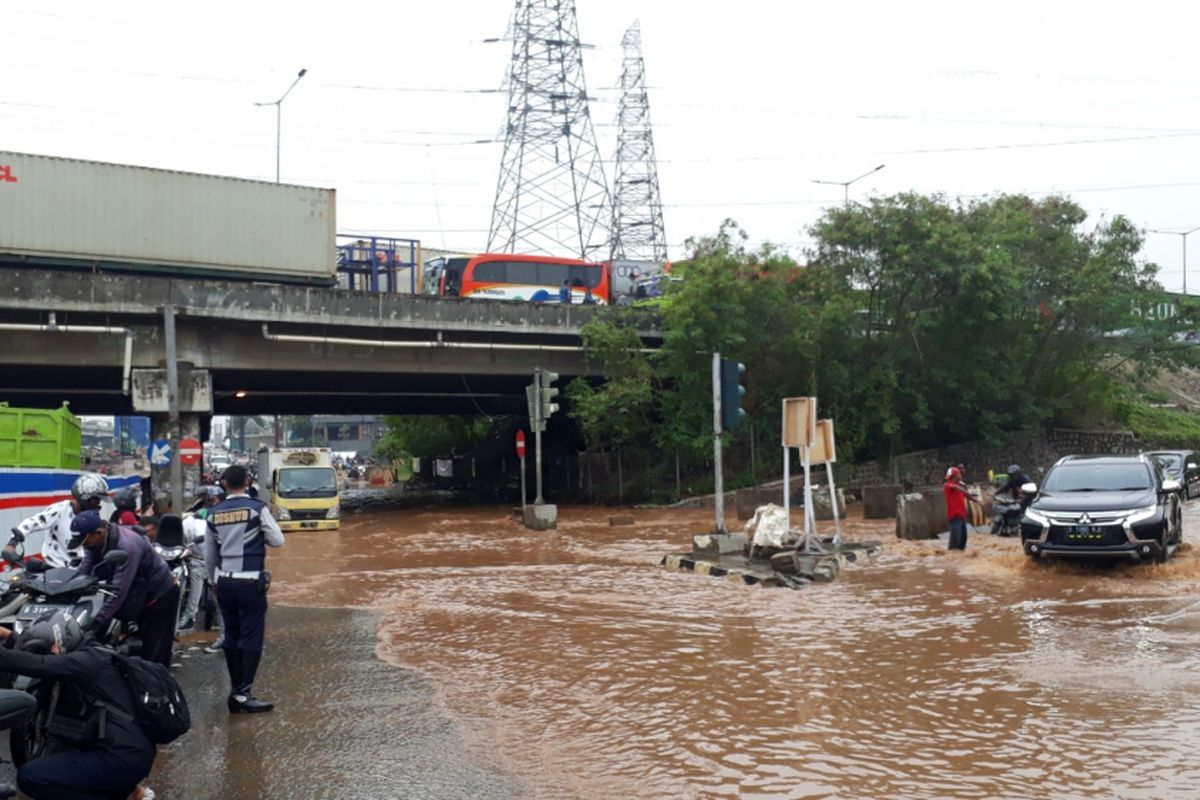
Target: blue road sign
{"points": [[159, 453]]}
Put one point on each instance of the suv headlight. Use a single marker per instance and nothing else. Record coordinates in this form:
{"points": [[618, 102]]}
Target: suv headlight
{"points": [[281, 513], [334, 512], [1036, 516], [1140, 514]]}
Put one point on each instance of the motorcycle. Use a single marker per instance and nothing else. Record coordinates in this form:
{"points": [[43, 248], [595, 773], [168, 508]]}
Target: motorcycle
{"points": [[1008, 513], [49, 590], [179, 557]]}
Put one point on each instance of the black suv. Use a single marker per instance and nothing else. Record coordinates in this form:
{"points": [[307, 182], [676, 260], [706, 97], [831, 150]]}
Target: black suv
{"points": [[1183, 466], [1104, 506]]}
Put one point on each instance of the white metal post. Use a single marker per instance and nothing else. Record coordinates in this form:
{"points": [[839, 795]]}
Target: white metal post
{"points": [[837, 519]]}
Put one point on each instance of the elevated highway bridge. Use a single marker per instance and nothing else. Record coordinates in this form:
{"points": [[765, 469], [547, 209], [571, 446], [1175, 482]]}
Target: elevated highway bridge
{"points": [[275, 349]]}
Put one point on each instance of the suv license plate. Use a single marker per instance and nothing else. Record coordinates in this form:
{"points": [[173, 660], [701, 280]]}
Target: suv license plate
{"points": [[1086, 530]]}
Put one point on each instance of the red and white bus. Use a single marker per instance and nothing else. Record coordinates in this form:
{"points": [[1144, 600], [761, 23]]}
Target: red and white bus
{"points": [[537, 279]]}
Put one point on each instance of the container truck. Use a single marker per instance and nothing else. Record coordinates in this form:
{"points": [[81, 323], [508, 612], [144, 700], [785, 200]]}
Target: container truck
{"points": [[63, 212], [301, 487]]}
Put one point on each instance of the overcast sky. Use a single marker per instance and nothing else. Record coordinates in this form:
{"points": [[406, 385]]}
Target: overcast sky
{"points": [[751, 102]]}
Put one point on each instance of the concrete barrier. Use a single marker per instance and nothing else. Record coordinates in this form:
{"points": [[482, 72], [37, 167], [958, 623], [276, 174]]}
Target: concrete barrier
{"points": [[820, 502], [879, 502], [921, 514]]}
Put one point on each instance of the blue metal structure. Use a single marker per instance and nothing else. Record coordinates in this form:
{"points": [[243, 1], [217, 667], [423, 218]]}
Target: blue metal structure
{"points": [[379, 264]]}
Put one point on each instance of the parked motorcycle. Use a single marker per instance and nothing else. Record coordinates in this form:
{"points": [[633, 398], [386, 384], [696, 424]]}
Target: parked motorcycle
{"points": [[180, 557], [1008, 512], [49, 590]]}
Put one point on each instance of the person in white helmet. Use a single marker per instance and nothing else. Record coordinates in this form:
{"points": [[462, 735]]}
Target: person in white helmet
{"points": [[54, 520]]}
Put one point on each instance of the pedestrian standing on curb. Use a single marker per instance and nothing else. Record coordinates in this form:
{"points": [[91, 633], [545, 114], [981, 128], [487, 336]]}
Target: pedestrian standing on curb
{"points": [[240, 529], [956, 508], [564, 293]]}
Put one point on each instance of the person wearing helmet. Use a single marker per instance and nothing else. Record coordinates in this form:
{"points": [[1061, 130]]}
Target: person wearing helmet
{"points": [[143, 588], [126, 504], [54, 520], [1012, 486], [56, 648]]}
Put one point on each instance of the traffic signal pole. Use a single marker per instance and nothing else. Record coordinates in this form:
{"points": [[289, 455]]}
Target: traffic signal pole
{"points": [[537, 442], [719, 482]]}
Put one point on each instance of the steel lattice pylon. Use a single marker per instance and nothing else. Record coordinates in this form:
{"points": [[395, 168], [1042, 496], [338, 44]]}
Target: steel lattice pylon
{"points": [[637, 206], [551, 197]]}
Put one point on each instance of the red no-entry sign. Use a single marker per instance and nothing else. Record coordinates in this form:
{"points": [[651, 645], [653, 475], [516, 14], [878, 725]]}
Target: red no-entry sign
{"points": [[190, 451], [520, 444]]}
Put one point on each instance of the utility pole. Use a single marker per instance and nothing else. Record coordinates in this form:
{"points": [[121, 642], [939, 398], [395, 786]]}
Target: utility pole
{"points": [[551, 195], [719, 475], [1182, 235], [638, 232], [846, 184]]}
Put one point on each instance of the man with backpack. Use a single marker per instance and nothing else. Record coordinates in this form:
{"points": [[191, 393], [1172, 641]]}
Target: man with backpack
{"points": [[119, 709]]}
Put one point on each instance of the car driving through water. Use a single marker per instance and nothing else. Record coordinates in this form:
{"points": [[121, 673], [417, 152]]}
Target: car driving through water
{"points": [[1104, 507]]}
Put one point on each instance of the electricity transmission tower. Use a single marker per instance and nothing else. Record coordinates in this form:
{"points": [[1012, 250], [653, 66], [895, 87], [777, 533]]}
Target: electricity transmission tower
{"points": [[637, 206], [551, 196]]}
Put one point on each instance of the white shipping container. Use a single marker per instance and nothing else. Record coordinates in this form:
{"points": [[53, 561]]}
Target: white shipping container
{"points": [[64, 211]]}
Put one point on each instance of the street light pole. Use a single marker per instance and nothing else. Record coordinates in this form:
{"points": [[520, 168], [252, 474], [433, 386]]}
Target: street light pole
{"points": [[1182, 235], [846, 184], [279, 118]]}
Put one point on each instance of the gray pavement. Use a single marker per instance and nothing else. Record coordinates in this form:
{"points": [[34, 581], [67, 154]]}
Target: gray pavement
{"points": [[346, 726]]}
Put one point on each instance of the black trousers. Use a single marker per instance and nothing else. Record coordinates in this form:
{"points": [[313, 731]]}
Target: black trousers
{"points": [[157, 627], [82, 775], [243, 613], [958, 534]]}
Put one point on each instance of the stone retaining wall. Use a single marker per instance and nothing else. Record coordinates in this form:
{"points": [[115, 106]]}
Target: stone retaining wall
{"points": [[1035, 454]]}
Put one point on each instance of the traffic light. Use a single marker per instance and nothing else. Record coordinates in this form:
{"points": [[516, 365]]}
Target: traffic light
{"points": [[547, 394], [732, 393]]}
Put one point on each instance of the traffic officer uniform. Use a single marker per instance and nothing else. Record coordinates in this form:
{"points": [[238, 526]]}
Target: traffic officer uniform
{"points": [[235, 551]]}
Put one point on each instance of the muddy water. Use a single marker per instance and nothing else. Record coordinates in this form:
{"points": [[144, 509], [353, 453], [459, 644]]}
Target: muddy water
{"points": [[581, 668]]}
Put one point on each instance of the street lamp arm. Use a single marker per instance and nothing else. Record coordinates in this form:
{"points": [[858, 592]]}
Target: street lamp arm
{"points": [[865, 174]]}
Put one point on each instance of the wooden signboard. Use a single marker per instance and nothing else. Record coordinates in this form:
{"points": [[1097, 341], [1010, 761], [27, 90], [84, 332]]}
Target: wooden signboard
{"points": [[799, 421], [823, 450]]}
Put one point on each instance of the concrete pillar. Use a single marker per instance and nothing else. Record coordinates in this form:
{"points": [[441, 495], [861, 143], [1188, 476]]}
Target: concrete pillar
{"points": [[160, 477]]}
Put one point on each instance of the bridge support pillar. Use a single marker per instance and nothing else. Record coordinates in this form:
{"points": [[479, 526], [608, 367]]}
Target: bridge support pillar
{"points": [[162, 487]]}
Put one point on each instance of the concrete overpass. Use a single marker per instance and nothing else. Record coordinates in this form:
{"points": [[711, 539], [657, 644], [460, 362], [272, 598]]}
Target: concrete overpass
{"points": [[272, 349]]}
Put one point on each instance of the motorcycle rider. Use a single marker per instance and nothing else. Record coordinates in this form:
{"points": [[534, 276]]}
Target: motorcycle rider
{"points": [[143, 587], [125, 513], [1012, 486], [55, 647], [87, 492]]}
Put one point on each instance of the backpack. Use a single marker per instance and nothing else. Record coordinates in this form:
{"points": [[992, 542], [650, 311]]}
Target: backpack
{"points": [[161, 710]]}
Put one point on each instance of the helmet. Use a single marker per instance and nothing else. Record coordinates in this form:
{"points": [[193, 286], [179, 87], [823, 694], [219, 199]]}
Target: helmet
{"points": [[126, 499], [89, 487], [56, 628], [1013, 469]]}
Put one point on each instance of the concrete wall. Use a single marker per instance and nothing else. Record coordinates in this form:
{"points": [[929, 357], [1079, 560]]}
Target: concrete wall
{"points": [[1035, 454]]}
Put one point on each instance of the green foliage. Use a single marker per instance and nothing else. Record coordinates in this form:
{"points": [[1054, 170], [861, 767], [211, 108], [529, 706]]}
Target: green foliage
{"points": [[620, 412], [1162, 427], [917, 322], [1000, 315], [431, 437]]}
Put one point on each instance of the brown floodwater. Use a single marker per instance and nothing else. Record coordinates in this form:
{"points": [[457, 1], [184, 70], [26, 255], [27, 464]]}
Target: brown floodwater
{"points": [[577, 665]]}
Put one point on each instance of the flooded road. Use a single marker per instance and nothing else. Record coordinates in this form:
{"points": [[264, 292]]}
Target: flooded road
{"points": [[577, 667]]}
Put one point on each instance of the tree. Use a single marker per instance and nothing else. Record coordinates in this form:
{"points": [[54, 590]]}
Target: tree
{"points": [[621, 411], [431, 437], [989, 317]]}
